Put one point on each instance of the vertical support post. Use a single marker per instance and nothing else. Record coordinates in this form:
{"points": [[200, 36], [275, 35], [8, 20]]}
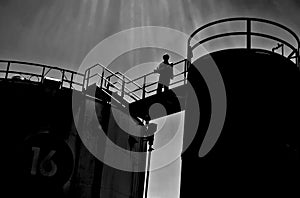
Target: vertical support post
{"points": [[123, 86], [108, 83], [148, 171], [248, 34], [297, 57], [185, 70], [84, 79], [62, 77], [87, 80], [71, 83], [7, 70], [144, 88], [43, 73], [188, 62], [102, 76], [150, 140]]}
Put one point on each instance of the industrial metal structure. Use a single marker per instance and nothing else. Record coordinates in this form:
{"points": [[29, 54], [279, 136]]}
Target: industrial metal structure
{"points": [[260, 133]]}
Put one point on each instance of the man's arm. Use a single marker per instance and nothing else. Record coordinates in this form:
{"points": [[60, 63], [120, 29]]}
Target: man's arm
{"points": [[157, 69]]}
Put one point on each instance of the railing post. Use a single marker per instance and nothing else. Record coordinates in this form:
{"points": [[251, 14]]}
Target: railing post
{"points": [[297, 57], [123, 87], [43, 73], [7, 70], [102, 76], [187, 62], [248, 34], [184, 70], [108, 83], [88, 78], [144, 88], [72, 76], [62, 77]]}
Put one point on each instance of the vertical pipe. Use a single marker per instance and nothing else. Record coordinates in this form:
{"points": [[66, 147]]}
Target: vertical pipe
{"points": [[248, 34], [7, 70]]}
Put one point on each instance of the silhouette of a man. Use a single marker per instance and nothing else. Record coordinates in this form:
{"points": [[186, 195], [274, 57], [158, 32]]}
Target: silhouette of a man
{"points": [[165, 71]]}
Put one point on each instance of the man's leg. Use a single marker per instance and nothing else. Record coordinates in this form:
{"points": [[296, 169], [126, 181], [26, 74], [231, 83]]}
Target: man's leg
{"points": [[166, 88], [159, 88]]}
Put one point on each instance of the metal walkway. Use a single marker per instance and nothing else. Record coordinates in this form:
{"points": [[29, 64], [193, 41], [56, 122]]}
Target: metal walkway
{"points": [[130, 90]]}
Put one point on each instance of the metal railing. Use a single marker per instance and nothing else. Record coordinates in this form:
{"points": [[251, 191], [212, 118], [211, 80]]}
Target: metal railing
{"points": [[143, 86], [104, 78], [249, 34], [68, 78], [146, 85], [107, 80], [127, 88]]}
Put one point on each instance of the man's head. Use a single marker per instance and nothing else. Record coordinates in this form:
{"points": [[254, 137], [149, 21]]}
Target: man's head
{"points": [[166, 57]]}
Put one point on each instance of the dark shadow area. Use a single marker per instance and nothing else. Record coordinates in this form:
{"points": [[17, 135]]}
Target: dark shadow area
{"points": [[258, 149]]}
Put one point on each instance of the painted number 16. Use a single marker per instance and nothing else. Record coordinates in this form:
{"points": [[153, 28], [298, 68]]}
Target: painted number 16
{"points": [[43, 167]]}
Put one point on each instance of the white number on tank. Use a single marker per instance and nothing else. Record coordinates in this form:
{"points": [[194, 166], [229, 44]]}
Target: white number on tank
{"points": [[43, 166]]}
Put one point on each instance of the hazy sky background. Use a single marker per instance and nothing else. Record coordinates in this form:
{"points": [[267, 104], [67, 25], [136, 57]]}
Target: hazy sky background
{"points": [[62, 32]]}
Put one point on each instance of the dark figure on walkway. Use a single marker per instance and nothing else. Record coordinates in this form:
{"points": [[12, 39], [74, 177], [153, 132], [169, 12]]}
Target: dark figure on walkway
{"points": [[165, 71]]}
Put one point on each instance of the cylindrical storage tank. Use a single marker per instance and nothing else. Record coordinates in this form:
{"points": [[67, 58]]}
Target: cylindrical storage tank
{"points": [[43, 155], [257, 151]]}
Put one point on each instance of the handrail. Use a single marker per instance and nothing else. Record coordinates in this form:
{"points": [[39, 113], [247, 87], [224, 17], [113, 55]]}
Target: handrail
{"points": [[151, 84], [115, 87], [40, 74], [145, 75], [106, 69], [124, 80], [130, 81], [244, 19], [39, 65], [67, 76], [121, 90], [248, 32], [24, 73], [243, 33], [148, 85], [86, 77]]}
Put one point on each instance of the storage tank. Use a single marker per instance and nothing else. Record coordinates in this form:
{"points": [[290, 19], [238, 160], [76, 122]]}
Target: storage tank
{"points": [[43, 153], [247, 136]]}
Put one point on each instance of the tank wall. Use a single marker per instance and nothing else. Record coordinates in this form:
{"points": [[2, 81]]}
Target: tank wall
{"points": [[260, 137], [38, 127]]}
